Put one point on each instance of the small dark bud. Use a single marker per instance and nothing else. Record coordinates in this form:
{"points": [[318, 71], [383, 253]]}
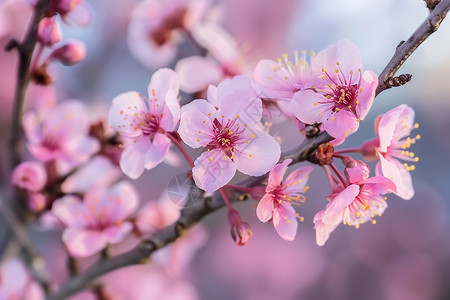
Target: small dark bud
{"points": [[312, 130], [41, 76], [431, 4], [324, 154]]}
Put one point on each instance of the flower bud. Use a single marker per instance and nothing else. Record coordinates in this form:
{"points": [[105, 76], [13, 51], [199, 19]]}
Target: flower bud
{"points": [[355, 170], [29, 176], [240, 231], [71, 53], [48, 31], [324, 154], [37, 202]]}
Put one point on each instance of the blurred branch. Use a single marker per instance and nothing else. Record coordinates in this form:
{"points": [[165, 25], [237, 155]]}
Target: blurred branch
{"points": [[189, 216], [25, 50], [406, 48]]}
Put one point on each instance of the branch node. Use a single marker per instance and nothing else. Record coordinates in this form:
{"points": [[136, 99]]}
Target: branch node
{"points": [[399, 44]]}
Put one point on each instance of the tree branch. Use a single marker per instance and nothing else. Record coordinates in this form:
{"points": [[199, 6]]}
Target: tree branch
{"points": [[25, 50], [204, 206], [406, 48]]}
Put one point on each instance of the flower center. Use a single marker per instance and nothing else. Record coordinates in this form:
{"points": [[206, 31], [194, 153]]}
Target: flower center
{"points": [[173, 21], [225, 137]]}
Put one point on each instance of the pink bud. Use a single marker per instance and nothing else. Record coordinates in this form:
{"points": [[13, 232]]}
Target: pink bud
{"points": [[48, 31], [240, 231], [30, 176], [71, 53], [37, 202], [356, 170]]}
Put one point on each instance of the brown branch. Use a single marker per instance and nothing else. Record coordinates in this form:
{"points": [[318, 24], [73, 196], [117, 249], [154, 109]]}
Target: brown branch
{"points": [[25, 50], [204, 206], [406, 48]]}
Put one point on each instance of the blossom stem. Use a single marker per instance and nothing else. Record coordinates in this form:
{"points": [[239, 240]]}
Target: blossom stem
{"points": [[341, 178], [239, 188], [225, 199], [338, 156], [173, 138], [350, 150], [40, 47], [329, 177]]}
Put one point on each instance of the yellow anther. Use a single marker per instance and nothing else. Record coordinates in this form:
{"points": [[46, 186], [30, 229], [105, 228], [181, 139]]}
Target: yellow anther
{"points": [[416, 125], [374, 221], [210, 159], [251, 155]]}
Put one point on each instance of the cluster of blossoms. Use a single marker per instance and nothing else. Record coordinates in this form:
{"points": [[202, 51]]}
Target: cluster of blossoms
{"points": [[73, 181]]}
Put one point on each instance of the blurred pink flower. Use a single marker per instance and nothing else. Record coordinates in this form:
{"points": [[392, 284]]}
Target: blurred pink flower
{"points": [[225, 59], [156, 26], [175, 257], [143, 124], [352, 205], [97, 172], [144, 282], [393, 130], [228, 125], [280, 80], [15, 283], [36, 202], [340, 94], [60, 134], [48, 31], [277, 203], [71, 53], [98, 220], [29, 175]]}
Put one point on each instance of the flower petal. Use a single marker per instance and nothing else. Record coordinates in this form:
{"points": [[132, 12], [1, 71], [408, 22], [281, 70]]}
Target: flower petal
{"points": [[341, 124], [276, 174], [191, 79], [310, 107], [285, 221], [83, 243], [212, 170], [117, 233], [123, 107], [156, 151], [340, 202], [70, 211], [133, 157], [265, 207]]}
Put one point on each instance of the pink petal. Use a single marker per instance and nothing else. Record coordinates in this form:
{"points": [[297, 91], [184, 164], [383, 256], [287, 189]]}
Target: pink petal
{"points": [[83, 243], [285, 221], [259, 155], [70, 211], [117, 233], [126, 104], [343, 124], [236, 97], [369, 84], [323, 230], [156, 151], [395, 171], [216, 40], [171, 113], [163, 81], [297, 180], [31, 126], [125, 201], [81, 15], [134, 156], [347, 54], [379, 185], [265, 207], [191, 79], [211, 95], [340, 202], [213, 170], [310, 107], [195, 124], [277, 172]]}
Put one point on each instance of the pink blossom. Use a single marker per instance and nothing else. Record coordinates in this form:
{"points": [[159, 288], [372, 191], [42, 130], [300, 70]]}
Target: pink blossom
{"points": [[280, 80], [228, 125], [60, 134], [393, 130], [175, 257], [341, 95], [29, 175], [98, 172], [143, 124], [277, 203], [48, 31], [356, 171], [240, 231], [15, 282], [70, 54], [352, 205], [156, 27], [225, 60], [98, 220]]}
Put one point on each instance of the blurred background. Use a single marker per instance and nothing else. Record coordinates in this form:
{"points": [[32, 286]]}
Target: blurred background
{"points": [[406, 255]]}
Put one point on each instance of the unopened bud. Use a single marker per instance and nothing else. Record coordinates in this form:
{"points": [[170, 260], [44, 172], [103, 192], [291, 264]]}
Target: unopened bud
{"points": [[355, 170], [240, 231], [30, 176], [48, 31], [71, 53], [37, 202]]}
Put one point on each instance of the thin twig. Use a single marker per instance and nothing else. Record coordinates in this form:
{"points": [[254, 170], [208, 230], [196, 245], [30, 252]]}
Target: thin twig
{"points": [[25, 50], [406, 48], [204, 206]]}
